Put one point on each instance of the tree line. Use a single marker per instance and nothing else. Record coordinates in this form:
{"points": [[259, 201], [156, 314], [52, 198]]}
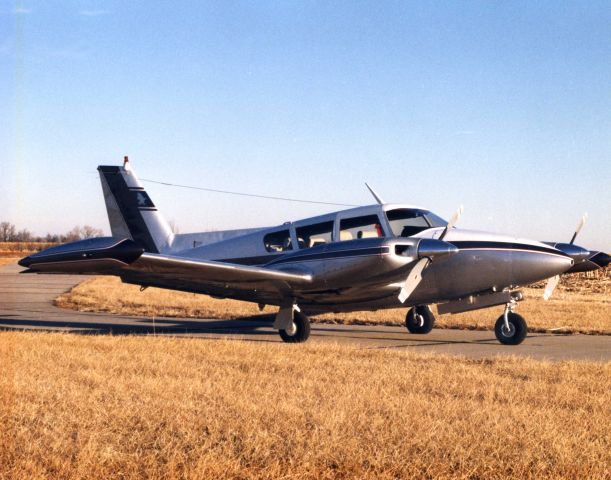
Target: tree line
{"points": [[9, 233]]}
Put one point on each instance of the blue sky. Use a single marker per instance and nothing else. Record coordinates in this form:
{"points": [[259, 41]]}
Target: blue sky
{"points": [[504, 107]]}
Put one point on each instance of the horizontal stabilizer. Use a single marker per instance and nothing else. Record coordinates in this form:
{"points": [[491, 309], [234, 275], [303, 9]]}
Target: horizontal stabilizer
{"points": [[94, 255]]}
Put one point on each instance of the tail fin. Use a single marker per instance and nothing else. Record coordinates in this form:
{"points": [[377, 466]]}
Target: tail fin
{"points": [[131, 211]]}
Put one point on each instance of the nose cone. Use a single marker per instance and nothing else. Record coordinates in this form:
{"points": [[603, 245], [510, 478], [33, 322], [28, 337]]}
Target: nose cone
{"points": [[546, 265], [489, 261], [430, 248], [527, 264]]}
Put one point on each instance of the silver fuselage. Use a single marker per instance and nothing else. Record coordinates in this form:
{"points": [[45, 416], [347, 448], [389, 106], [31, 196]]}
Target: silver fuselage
{"points": [[355, 259], [366, 273]]}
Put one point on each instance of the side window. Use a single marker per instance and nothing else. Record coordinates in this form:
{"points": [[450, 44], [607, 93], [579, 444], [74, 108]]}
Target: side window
{"points": [[313, 235], [360, 227], [278, 241]]}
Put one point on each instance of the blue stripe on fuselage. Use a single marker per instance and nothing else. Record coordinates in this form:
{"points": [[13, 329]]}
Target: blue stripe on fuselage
{"points": [[490, 245], [305, 255]]}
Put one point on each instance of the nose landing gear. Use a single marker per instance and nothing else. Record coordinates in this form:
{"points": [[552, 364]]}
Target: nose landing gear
{"points": [[419, 319], [510, 328]]}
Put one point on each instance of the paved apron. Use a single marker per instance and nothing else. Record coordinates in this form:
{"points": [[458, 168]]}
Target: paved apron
{"points": [[26, 303]]}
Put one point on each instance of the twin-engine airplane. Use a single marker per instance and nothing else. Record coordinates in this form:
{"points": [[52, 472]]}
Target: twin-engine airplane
{"points": [[366, 258]]}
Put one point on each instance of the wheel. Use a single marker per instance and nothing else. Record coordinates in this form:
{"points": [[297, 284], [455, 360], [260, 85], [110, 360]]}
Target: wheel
{"points": [[419, 319], [517, 329], [299, 331]]}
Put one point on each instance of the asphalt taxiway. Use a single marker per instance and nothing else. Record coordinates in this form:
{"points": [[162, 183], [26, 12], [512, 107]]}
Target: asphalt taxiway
{"points": [[26, 303]]}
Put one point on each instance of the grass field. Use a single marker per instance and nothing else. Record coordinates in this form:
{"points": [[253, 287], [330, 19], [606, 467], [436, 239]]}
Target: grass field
{"points": [[11, 252], [8, 260], [574, 308], [21, 249], [154, 407]]}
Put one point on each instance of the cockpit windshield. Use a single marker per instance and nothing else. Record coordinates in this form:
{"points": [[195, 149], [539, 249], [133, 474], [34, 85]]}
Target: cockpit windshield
{"points": [[406, 222]]}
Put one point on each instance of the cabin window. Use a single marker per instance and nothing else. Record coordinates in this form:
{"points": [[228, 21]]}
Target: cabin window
{"points": [[278, 241], [434, 220], [406, 222], [313, 235], [367, 226]]}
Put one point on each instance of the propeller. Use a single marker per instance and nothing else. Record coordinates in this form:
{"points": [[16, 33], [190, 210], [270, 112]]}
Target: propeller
{"points": [[550, 286], [580, 225], [552, 282], [427, 249], [452, 222], [413, 279]]}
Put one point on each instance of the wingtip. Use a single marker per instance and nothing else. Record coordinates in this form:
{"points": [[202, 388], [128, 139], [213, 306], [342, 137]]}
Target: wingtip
{"points": [[25, 262]]}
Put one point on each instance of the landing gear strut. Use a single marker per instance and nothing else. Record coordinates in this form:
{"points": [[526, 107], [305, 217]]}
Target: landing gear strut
{"points": [[510, 328], [419, 319]]}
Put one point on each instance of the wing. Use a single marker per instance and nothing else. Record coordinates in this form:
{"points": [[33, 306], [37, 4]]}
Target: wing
{"points": [[215, 272], [260, 284], [111, 256]]}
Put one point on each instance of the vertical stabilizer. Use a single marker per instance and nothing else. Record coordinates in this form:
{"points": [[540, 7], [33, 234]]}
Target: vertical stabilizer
{"points": [[131, 212]]}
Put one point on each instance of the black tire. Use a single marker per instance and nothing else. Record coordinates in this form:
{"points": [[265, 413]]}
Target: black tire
{"points": [[301, 331], [419, 319], [517, 326]]}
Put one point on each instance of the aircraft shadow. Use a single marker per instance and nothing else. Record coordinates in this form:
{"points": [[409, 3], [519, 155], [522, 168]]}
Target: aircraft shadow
{"points": [[142, 326], [253, 326]]}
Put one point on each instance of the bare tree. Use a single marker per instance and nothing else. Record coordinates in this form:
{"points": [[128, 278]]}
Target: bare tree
{"points": [[72, 236], [52, 238], [89, 232], [7, 232], [23, 236]]}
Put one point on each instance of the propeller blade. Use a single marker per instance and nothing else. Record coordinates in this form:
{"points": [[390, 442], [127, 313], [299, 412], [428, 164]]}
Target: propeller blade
{"points": [[452, 222], [413, 279], [579, 227], [550, 286]]}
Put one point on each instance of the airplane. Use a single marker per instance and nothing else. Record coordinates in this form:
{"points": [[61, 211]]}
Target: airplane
{"points": [[371, 257]]}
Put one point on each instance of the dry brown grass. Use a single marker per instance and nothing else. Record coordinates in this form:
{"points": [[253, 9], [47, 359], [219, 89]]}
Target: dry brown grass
{"points": [[157, 407], [8, 260], [568, 311], [21, 249]]}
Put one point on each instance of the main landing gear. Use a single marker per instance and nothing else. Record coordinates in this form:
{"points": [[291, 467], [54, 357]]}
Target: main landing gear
{"points": [[292, 325], [510, 328], [420, 319], [298, 331]]}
